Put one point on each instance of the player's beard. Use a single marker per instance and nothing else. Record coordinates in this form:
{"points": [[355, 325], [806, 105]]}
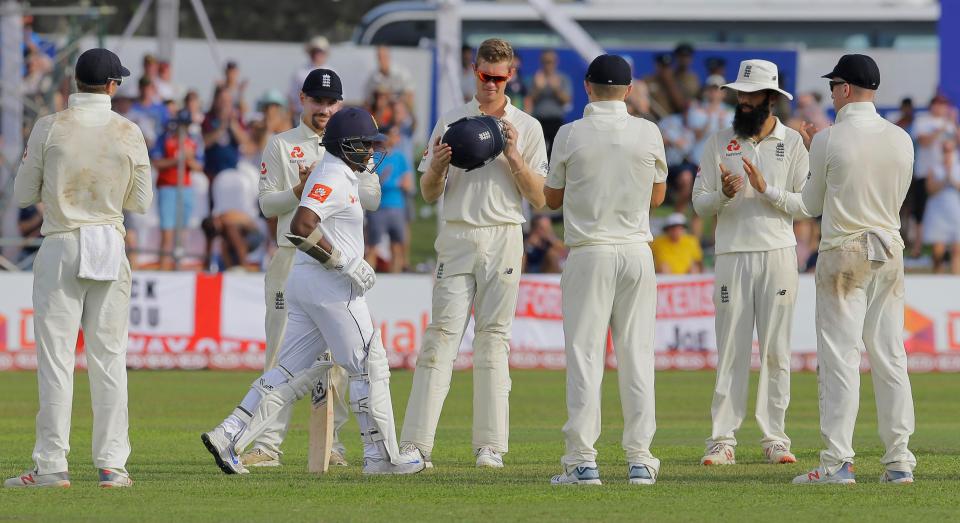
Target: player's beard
{"points": [[749, 123]]}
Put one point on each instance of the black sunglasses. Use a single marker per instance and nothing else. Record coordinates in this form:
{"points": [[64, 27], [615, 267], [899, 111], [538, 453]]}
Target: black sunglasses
{"points": [[834, 83]]}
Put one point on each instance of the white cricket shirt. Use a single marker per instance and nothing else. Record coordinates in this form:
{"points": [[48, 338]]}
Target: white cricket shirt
{"points": [[87, 164], [748, 222], [860, 170], [489, 195], [607, 163], [332, 192]]}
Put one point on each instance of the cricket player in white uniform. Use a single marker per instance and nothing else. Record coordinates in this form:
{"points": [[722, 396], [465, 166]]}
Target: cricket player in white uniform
{"points": [[756, 263], [87, 165], [860, 170], [607, 170], [479, 253], [326, 311], [287, 161]]}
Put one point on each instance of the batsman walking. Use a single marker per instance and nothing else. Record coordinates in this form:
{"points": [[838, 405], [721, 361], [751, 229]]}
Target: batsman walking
{"points": [[87, 164], [479, 255], [607, 170], [288, 159], [756, 263]]}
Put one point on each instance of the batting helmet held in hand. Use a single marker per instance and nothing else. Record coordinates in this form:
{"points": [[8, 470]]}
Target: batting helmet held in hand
{"points": [[474, 141]]}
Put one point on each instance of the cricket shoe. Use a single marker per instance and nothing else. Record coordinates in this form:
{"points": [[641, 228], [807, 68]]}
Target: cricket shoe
{"points": [[719, 454], [583, 474], [819, 476], [114, 478], [641, 474], [223, 452], [778, 453], [406, 448], [407, 463], [33, 479], [258, 457], [337, 459], [897, 477], [489, 458]]}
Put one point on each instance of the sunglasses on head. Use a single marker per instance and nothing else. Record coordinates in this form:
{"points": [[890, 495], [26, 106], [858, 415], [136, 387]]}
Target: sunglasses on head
{"points": [[484, 77], [834, 83]]}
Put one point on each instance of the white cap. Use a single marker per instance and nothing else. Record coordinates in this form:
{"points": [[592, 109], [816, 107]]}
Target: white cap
{"points": [[319, 42], [675, 219], [757, 75], [715, 80]]}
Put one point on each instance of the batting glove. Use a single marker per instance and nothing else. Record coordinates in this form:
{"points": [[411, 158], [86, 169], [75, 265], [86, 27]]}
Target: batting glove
{"points": [[361, 274]]}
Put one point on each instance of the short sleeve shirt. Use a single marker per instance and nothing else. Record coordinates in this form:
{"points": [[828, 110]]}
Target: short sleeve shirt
{"points": [[332, 193]]}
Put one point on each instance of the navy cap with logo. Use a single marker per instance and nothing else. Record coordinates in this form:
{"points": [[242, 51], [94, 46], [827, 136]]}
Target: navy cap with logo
{"points": [[323, 83], [98, 66], [857, 69], [609, 69]]}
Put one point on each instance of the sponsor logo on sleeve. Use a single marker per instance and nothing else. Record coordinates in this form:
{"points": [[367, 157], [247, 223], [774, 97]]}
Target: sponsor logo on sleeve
{"points": [[263, 168], [320, 192]]}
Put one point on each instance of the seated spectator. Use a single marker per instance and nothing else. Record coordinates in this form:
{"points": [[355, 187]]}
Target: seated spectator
{"points": [[543, 250], [941, 220], [29, 222], [675, 251], [236, 214], [175, 209], [396, 180]]}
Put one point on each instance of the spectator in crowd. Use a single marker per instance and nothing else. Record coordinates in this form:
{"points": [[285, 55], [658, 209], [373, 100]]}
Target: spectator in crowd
{"points": [[390, 219], [675, 251], [467, 82], [148, 112], [381, 106], [665, 95], [810, 111], [904, 116], [175, 201], [236, 86], [930, 130], [405, 122], [272, 107], [941, 220], [193, 105], [236, 210], [687, 80], [543, 250], [717, 65], [638, 101], [166, 89], [395, 80], [678, 139], [808, 242], [29, 222], [550, 95], [223, 134], [517, 87], [318, 51], [708, 116], [151, 68]]}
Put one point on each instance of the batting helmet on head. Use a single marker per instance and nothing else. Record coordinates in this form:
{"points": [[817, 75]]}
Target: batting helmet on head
{"points": [[474, 141], [352, 135]]}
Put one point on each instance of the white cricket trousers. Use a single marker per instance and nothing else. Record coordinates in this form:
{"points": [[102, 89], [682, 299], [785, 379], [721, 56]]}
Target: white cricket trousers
{"points": [[62, 305], [753, 289], [862, 301], [478, 268], [276, 325], [613, 285]]}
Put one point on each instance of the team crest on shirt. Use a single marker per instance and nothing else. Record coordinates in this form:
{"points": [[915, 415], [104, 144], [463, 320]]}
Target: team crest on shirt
{"points": [[320, 192], [781, 151], [353, 199]]}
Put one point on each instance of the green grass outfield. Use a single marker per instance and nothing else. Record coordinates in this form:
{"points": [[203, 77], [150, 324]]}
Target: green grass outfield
{"points": [[176, 479]]}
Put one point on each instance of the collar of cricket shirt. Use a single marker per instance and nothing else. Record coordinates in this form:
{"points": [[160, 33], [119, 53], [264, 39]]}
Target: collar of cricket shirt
{"points": [[605, 108], [308, 133], [89, 100], [474, 108], [856, 110]]}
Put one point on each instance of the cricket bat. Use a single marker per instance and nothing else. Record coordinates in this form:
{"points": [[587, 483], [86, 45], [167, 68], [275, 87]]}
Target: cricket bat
{"points": [[321, 425]]}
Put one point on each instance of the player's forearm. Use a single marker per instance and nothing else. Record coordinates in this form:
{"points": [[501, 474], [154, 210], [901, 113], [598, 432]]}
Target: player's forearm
{"points": [[280, 202], [431, 184], [530, 185], [709, 203]]}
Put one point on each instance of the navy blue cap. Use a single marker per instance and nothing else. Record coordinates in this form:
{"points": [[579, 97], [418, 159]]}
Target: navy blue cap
{"points": [[609, 69], [98, 66], [857, 69], [323, 83], [351, 123]]}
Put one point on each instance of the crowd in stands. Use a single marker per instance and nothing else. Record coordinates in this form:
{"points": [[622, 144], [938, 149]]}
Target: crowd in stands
{"points": [[206, 154]]}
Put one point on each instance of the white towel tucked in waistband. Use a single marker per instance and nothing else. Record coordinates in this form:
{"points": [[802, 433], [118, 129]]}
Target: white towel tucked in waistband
{"points": [[101, 252], [879, 245]]}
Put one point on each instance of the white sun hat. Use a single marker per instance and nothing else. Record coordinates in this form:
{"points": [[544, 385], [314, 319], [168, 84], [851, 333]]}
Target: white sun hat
{"points": [[757, 75]]}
